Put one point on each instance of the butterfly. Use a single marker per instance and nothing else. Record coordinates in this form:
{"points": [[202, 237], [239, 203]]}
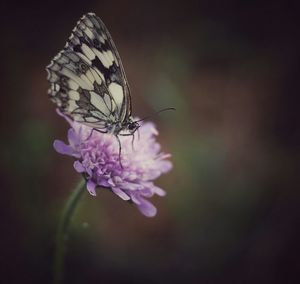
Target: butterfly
{"points": [[88, 82]]}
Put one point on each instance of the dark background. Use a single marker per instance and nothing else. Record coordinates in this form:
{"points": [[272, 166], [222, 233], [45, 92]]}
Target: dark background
{"points": [[231, 215]]}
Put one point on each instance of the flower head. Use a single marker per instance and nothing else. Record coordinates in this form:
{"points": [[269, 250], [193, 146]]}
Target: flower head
{"points": [[97, 157]]}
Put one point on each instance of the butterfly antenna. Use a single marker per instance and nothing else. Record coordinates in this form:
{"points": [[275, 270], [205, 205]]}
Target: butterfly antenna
{"points": [[162, 110]]}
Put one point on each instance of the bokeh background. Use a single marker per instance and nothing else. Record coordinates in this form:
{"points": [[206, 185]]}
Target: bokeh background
{"points": [[231, 215]]}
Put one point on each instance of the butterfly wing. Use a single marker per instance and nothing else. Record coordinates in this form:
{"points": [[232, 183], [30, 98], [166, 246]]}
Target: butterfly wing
{"points": [[88, 81]]}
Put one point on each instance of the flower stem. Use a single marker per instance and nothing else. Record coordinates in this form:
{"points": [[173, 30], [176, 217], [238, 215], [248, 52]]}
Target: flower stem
{"points": [[62, 230]]}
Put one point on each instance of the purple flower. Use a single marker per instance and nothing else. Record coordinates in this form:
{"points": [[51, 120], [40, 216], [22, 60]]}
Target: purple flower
{"points": [[97, 157]]}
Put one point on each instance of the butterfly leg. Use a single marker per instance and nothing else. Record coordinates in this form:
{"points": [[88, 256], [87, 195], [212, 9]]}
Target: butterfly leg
{"points": [[138, 131], [120, 149], [90, 135], [132, 141], [96, 129]]}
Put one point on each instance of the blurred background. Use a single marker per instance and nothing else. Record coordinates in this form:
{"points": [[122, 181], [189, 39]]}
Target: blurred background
{"points": [[231, 214]]}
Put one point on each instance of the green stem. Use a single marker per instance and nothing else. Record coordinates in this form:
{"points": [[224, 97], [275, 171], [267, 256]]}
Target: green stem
{"points": [[62, 231]]}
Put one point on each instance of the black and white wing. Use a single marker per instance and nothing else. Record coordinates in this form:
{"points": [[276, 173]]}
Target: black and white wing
{"points": [[88, 81]]}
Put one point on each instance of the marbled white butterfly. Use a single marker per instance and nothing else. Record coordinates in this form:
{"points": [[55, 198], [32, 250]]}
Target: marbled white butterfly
{"points": [[88, 82]]}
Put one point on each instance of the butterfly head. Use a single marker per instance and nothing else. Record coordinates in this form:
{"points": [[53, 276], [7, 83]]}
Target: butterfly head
{"points": [[132, 126]]}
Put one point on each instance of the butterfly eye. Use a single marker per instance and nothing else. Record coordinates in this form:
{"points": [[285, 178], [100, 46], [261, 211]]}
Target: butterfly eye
{"points": [[133, 126]]}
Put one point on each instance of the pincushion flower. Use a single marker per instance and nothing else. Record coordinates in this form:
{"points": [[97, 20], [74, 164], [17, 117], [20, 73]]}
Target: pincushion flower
{"points": [[97, 158]]}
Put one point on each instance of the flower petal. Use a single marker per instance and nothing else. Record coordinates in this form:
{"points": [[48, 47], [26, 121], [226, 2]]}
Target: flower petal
{"points": [[120, 193], [73, 139], [165, 166], [91, 187], [62, 148], [147, 208], [78, 167], [159, 191]]}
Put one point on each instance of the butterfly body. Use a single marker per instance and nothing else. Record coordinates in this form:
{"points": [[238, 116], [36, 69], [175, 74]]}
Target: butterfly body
{"points": [[116, 127], [88, 82]]}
